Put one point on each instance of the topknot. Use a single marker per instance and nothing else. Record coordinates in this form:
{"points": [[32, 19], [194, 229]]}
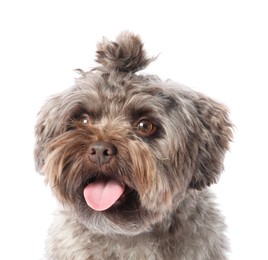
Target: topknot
{"points": [[126, 54]]}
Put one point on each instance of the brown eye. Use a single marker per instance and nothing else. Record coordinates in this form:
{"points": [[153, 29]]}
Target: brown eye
{"points": [[84, 119], [146, 128]]}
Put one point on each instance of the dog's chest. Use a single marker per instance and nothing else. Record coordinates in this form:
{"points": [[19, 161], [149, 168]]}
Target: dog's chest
{"points": [[71, 241], [123, 248]]}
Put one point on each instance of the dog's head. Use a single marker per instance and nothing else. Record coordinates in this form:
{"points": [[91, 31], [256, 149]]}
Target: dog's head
{"points": [[122, 149]]}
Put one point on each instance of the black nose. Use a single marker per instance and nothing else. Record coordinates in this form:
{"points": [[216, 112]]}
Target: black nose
{"points": [[101, 152]]}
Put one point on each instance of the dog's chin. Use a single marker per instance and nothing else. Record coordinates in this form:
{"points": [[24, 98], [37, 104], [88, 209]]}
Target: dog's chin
{"points": [[105, 224]]}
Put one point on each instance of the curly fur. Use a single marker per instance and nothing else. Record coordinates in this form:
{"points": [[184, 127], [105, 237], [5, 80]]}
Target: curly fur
{"points": [[168, 212]]}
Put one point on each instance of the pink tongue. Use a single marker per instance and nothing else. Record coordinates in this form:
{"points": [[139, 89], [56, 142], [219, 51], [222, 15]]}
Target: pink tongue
{"points": [[101, 195]]}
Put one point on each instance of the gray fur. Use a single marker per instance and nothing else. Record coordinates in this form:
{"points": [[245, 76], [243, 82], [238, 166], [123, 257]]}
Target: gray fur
{"points": [[170, 212]]}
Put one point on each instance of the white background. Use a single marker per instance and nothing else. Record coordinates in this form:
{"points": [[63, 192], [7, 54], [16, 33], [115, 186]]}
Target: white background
{"points": [[216, 47]]}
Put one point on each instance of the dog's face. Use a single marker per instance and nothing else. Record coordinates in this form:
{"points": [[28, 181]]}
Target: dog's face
{"points": [[121, 150]]}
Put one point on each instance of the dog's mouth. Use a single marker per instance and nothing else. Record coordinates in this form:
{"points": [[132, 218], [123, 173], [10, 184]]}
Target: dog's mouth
{"points": [[101, 194]]}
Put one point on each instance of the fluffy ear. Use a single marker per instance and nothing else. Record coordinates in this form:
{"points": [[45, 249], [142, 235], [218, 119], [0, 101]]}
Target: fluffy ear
{"points": [[47, 126], [213, 141]]}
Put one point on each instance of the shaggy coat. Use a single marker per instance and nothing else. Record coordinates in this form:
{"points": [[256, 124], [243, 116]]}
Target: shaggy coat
{"points": [[158, 142]]}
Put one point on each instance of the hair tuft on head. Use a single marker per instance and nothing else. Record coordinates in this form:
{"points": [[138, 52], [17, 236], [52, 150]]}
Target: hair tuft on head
{"points": [[126, 54]]}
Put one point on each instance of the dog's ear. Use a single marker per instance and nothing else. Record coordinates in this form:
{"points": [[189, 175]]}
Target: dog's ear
{"points": [[214, 136], [47, 126]]}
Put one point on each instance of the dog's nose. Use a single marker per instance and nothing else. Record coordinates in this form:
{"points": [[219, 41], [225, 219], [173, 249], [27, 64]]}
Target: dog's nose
{"points": [[101, 152]]}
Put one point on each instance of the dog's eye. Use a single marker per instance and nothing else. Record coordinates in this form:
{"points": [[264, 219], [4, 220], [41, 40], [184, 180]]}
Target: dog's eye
{"points": [[146, 128], [84, 119]]}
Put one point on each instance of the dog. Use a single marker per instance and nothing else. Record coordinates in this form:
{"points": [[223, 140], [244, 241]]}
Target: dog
{"points": [[130, 158]]}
